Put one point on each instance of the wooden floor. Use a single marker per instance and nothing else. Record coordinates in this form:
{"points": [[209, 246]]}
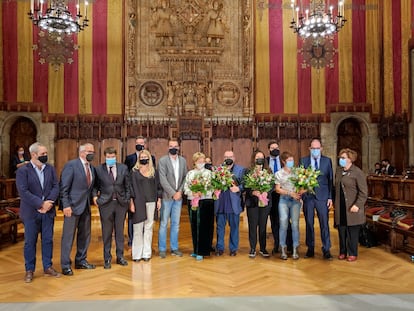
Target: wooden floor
{"points": [[376, 271]]}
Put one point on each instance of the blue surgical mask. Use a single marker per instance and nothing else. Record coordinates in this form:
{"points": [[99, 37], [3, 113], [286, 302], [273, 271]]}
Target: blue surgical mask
{"points": [[315, 153], [342, 162], [110, 161], [290, 164]]}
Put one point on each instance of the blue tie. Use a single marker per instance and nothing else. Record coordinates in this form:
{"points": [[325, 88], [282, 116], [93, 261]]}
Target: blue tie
{"points": [[316, 164]]}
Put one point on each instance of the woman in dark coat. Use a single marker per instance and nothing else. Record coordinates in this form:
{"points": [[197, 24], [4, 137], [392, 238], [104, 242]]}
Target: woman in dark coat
{"points": [[257, 215], [351, 195], [145, 197], [19, 159]]}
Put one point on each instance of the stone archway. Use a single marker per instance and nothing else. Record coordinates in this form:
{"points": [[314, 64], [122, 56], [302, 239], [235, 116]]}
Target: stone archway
{"points": [[350, 136]]}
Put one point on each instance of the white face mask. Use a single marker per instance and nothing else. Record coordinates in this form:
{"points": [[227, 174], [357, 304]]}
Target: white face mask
{"points": [[200, 165]]}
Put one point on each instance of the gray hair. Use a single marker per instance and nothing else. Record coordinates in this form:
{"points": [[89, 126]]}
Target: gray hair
{"points": [[35, 147], [83, 147]]}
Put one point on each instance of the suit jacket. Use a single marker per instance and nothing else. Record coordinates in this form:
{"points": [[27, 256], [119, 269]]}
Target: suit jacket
{"points": [[131, 160], [325, 189], [104, 187], [74, 189], [30, 190], [236, 198], [167, 178]]}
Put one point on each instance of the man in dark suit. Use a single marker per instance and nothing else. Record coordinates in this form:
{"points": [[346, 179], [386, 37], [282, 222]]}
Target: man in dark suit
{"points": [[387, 168], [229, 206], [76, 183], [130, 161], [38, 188], [172, 169], [274, 164], [321, 200], [111, 194]]}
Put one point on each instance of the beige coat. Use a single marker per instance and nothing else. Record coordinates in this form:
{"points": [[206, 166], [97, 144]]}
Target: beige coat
{"points": [[354, 186]]}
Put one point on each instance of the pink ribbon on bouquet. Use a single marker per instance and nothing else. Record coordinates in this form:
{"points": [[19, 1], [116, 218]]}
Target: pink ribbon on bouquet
{"points": [[263, 200], [194, 203], [216, 194]]}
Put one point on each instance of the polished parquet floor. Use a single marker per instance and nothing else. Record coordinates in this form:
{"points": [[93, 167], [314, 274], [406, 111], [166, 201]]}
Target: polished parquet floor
{"points": [[377, 271]]}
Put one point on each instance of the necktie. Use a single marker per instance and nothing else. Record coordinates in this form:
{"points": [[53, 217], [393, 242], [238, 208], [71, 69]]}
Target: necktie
{"points": [[88, 174], [316, 164], [275, 166], [111, 174]]}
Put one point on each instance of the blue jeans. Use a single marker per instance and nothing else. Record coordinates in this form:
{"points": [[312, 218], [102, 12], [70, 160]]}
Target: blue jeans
{"points": [[169, 209], [289, 209], [233, 221], [43, 224]]}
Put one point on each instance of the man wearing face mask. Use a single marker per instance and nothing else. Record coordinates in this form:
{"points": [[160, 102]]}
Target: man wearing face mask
{"points": [[172, 170], [38, 187], [111, 193], [273, 161], [229, 206], [321, 200], [76, 183], [130, 161]]}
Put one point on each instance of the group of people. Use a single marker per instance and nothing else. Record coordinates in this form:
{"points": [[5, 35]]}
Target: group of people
{"points": [[141, 189]]}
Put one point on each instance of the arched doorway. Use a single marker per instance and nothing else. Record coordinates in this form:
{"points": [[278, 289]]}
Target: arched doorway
{"points": [[350, 136], [22, 133]]}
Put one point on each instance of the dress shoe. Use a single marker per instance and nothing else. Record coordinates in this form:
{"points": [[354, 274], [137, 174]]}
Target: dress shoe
{"points": [[107, 264], [52, 272], [351, 258], [28, 278], [67, 271], [219, 252], [310, 253], [121, 261], [147, 259], [233, 253], [327, 256], [342, 257], [85, 265], [136, 260]]}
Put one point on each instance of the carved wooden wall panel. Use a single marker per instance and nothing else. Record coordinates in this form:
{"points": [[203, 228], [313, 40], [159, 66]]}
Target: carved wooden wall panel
{"points": [[189, 58]]}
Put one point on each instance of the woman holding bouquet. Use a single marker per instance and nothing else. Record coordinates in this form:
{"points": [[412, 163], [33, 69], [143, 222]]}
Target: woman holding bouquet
{"points": [[259, 183], [351, 195], [289, 204], [197, 187]]}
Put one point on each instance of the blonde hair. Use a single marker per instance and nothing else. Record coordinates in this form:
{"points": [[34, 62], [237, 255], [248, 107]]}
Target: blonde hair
{"points": [[151, 169], [196, 156]]}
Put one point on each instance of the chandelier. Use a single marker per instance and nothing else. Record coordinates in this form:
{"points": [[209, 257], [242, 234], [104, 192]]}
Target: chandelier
{"points": [[319, 20], [54, 16]]}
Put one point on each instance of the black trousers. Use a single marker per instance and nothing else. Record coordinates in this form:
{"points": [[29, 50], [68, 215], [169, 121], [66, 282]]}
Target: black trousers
{"points": [[257, 219], [202, 226], [349, 239], [275, 224], [112, 219]]}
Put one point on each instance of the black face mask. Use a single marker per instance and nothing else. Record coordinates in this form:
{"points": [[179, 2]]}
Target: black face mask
{"points": [[274, 153], [139, 147], [208, 166], [143, 161], [173, 151], [89, 157], [42, 158], [228, 162], [260, 161]]}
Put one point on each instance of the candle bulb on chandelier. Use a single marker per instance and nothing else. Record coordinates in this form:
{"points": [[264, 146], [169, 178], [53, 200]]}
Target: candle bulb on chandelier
{"points": [[86, 9]]}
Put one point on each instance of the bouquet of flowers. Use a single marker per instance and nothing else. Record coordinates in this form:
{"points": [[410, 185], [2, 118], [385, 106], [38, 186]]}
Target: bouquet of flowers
{"points": [[200, 183], [221, 180], [262, 181], [305, 178]]}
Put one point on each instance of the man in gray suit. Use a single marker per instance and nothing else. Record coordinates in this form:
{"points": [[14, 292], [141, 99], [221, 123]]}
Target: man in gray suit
{"points": [[111, 194], [76, 183], [172, 169]]}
